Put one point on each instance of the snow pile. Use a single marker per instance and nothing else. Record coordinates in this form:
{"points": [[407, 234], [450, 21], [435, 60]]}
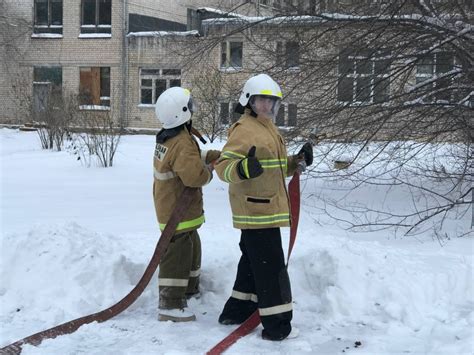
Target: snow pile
{"points": [[56, 273]]}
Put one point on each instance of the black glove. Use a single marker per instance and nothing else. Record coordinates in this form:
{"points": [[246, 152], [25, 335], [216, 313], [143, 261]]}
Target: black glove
{"points": [[306, 153], [250, 167]]}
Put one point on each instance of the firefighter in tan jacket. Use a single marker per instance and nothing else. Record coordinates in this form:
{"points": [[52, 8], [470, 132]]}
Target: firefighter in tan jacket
{"points": [[178, 162], [254, 162]]}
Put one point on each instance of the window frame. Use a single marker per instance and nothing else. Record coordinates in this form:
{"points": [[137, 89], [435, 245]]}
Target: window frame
{"points": [[435, 74], [54, 84], [292, 122], [49, 28], [226, 64], [104, 98], [162, 74], [232, 116], [356, 62], [288, 121], [284, 55], [96, 29]]}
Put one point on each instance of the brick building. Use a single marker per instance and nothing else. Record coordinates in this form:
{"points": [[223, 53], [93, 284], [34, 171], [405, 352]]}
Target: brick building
{"points": [[82, 48], [118, 56]]}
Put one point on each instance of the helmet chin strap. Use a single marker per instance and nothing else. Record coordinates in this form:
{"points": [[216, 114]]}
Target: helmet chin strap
{"points": [[189, 125]]}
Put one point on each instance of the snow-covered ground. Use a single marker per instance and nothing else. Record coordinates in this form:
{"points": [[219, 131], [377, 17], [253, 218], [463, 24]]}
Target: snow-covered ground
{"points": [[75, 240]]}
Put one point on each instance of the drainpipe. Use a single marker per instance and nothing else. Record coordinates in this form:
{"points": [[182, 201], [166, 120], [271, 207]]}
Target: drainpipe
{"points": [[472, 208], [124, 65]]}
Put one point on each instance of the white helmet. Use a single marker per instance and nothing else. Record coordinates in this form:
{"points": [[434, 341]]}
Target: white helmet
{"points": [[174, 107], [263, 95], [260, 84]]}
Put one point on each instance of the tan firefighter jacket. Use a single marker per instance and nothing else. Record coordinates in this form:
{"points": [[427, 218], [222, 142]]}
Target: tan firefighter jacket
{"points": [[178, 163], [261, 202]]}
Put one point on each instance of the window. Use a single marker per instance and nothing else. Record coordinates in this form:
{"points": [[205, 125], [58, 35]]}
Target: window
{"points": [[94, 89], [52, 76], [431, 68], [96, 16], [224, 112], [154, 81], [231, 54], [288, 54], [280, 118], [292, 114], [47, 83], [227, 111], [48, 16], [363, 77], [291, 110], [193, 20]]}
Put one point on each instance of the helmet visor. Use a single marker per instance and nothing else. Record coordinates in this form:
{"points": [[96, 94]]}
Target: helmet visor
{"points": [[191, 105], [265, 106]]}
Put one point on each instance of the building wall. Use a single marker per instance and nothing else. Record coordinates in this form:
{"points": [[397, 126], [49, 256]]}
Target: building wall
{"points": [[151, 53], [176, 10], [70, 52]]}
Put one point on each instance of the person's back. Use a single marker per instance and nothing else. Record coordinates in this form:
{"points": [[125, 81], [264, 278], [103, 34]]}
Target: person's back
{"points": [[179, 163]]}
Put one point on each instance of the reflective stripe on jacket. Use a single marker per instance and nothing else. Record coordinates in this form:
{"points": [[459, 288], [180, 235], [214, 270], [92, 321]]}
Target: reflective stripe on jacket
{"points": [[178, 163], [261, 202]]}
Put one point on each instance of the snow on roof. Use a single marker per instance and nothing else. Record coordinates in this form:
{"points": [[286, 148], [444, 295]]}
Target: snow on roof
{"points": [[234, 18], [163, 33], [266, 20], [229, 14]]}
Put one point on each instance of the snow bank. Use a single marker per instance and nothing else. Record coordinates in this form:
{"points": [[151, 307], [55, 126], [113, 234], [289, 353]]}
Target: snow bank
{"points": [[395, 296]]}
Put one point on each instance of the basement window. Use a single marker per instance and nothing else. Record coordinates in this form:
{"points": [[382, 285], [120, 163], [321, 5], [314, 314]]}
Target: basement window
{"points": [[94, 89], [96, 17], [48, 17]]}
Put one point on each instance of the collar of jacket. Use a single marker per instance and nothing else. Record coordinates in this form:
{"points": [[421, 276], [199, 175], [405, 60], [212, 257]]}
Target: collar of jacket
{"points": [[267, 122]]}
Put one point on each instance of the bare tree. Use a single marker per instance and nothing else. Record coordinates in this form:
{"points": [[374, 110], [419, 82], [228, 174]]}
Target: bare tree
{"points": [[209, 90], [13, 29], [98, 131], [388, 83]]}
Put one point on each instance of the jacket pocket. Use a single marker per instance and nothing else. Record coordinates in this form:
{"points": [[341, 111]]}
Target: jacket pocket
{"points": [[259, 205]]}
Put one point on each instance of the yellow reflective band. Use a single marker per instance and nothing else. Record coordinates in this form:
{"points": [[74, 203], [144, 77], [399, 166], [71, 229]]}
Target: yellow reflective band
{"points": [[186, 224], [270, 92], [246, 168], [229, 154], [273, 163], [260, 220], [187, 91], [228, 171], [274, 160]]}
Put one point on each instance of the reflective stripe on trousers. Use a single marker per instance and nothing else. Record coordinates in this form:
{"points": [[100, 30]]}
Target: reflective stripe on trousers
{"points": [[179, 270]]}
